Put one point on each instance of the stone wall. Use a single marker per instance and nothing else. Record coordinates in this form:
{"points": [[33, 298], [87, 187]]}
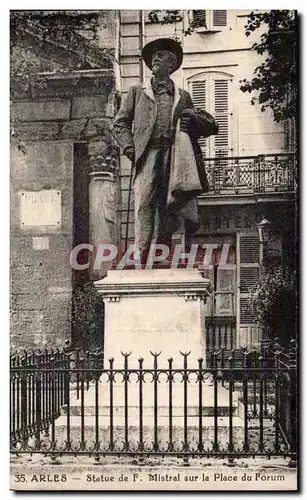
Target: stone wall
{"points": [[61, 132]]}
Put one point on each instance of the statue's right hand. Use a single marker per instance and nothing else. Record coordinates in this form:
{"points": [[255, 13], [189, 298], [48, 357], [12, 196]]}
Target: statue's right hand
{"points": [[129, 153]]}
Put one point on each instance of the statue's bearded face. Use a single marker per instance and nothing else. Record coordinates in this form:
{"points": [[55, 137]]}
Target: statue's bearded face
{"points": [[163, 63]]}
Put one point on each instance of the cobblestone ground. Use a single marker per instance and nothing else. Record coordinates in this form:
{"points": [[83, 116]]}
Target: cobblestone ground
{"points": [[253, 441], [41, 459]]}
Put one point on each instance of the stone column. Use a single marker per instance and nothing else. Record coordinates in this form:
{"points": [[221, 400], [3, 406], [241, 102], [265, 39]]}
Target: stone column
{"points": [[102, 200]]}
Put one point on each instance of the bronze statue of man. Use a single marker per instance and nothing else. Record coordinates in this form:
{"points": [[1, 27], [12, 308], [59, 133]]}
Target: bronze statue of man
{"points": [[157, 128]]}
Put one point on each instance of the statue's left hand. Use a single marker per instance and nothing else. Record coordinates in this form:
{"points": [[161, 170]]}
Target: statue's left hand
{"points": [[185, 119]]}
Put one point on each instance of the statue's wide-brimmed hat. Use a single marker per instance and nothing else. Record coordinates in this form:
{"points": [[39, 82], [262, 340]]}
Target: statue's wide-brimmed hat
{"points": [[162, 44]]}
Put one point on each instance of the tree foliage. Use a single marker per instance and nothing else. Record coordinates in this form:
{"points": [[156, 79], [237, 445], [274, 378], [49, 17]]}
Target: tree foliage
{"points": [[44, 41], [275, 79], [170, 17], [51, 41], [87, 317], [273, 301]]}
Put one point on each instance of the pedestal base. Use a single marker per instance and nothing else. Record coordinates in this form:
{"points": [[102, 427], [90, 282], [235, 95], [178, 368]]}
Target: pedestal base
{"points": [[158, 310], [161, 417]]}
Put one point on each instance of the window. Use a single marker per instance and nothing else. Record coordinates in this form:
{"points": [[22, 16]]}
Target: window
{"points": [[225, 289], [211, 92], [222, 302], [219, 18], [209, 20], [199, 18], [249, 274]]}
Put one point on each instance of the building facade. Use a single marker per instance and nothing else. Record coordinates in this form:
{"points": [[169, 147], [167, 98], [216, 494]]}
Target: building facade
{"points": [[250, 163], [64, 172]]}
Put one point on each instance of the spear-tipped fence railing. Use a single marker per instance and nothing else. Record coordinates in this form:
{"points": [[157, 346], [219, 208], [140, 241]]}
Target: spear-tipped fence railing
{"points": [[106, 410]]}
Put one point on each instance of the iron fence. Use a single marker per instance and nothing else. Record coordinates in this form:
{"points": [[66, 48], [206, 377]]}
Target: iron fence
{"points": [[67, 402], [41, 383]]}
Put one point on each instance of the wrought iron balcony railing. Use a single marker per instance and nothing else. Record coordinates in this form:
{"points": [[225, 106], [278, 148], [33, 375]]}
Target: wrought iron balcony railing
{"points": [[251, 174]]}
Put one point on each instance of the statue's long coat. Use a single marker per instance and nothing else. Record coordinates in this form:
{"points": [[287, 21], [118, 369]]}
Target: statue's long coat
{"points": [[134, 126]]}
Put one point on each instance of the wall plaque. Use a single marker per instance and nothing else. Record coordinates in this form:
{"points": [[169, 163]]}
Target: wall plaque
{"points": [[40, 208], [40, 243]]}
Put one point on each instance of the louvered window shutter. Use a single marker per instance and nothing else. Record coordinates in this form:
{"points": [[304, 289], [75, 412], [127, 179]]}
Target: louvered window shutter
{"points": [[212, 94], [219, 18], [221, 114], [199, 18], [199, 94], [249, 274], [225, 302], [209, 306], [200, 100]]}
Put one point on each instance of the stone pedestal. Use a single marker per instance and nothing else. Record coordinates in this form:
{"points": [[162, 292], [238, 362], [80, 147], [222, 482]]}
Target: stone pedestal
{"points": [[148, 312], [158, 310]]}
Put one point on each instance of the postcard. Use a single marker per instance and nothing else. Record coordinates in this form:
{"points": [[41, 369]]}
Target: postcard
{"points": [[154, 240]]}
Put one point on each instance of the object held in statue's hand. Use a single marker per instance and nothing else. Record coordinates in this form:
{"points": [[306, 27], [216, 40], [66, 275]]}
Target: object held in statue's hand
{"points": [[129, 153], [186, 118]]}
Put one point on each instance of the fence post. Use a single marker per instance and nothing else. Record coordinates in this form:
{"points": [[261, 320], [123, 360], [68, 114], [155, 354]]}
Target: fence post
{"points": [[140, 458], [215, 400], [112, 378], [155, 402], [77, 365], [278, 399], [293, 401], [38, 408], [66, 378], [82, 402], [261, 404], [126, 395], [53, 414], [185, 406], [13, 398], [245, 398], [23, 402], [200, 405], [231, 390], [170, 403], [67, 399]]}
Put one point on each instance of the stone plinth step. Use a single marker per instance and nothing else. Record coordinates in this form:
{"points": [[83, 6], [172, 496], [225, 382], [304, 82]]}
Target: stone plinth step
{"points": [[163, 411], [162, 395], [118, 422], [148, 432]]}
